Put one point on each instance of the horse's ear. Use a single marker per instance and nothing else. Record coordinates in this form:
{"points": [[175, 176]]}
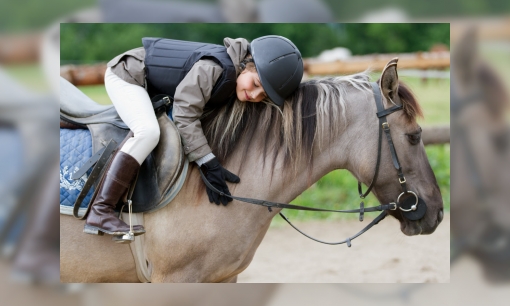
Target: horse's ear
{"points": [[389, 82]]}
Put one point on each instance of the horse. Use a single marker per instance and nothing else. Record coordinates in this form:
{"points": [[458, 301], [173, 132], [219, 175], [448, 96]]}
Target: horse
{"points": [[480, 167], [327, 124]]}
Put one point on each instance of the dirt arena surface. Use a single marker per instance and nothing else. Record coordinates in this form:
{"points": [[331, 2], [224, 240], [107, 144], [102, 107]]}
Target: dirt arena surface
{"points": [[381, 255]]}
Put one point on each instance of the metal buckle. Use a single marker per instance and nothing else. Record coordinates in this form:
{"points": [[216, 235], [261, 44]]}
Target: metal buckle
{"points": [[402, 182], [387, 125], [167, 99], [394, 206]]}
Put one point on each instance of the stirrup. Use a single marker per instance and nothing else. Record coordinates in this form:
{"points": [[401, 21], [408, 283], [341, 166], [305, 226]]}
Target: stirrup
{"points": [[130, 236], [124, 239], [93, 230]]}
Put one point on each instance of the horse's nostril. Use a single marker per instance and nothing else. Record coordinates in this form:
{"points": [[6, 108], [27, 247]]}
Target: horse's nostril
{"points": [[440, 215]]}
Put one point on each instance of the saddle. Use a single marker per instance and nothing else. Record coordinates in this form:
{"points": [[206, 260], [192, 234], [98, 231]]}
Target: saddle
{"points": [[160, 170]]}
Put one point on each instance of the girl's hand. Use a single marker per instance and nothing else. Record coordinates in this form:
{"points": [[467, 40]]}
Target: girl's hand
{"points": [[218, 177]]}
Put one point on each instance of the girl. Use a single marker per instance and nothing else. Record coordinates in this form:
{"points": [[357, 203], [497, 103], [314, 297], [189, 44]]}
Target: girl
{"points": [[199, 76]]}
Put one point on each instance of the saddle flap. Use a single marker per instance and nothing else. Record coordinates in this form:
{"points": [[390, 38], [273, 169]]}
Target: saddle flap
{"points": [[161, 168], [169, 154]]}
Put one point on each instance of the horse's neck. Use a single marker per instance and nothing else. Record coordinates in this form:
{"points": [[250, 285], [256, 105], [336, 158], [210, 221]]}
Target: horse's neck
{"points": [[283, 184]]}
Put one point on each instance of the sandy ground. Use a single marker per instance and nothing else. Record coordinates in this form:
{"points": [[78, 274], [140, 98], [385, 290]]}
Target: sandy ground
{"points": [[381, 255]]}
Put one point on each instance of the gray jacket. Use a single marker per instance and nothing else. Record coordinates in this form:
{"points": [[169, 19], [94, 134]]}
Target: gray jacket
{"points": [[191, 94]]}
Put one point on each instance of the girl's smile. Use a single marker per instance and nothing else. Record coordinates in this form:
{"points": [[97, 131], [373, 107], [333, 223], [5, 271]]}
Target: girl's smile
{"points": [[249, 88]]}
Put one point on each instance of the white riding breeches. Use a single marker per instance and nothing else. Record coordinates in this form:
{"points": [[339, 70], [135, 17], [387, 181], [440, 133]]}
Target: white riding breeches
{"points": [[134, 107]]}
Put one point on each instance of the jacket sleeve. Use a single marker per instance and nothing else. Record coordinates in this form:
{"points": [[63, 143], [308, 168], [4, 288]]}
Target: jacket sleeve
{"points": [[190, 98]]}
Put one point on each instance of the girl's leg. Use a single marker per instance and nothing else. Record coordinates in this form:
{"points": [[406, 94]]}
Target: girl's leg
{"points": [[134, 107]]}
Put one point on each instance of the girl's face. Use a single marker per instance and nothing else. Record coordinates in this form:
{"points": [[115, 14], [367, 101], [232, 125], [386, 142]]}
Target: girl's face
{"points": [[249, 88]]}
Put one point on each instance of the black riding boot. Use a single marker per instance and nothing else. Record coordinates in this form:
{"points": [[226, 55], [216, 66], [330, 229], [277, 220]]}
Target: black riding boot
{"points": [[102, 218]]}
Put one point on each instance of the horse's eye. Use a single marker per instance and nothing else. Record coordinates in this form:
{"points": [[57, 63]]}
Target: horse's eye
{"points": [[414, 138]]}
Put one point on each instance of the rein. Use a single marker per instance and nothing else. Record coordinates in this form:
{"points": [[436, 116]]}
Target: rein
{"points": [[270, 205], [414, 212]]}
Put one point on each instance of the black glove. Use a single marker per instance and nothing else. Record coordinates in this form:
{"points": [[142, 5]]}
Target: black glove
{"points": [[217, 176]]}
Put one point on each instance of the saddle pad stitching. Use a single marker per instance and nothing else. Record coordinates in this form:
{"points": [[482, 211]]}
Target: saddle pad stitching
{"points": [[74, 152]]}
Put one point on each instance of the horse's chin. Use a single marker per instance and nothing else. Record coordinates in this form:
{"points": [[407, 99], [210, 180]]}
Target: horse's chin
{"points": [[418, 227], [411, 228]]}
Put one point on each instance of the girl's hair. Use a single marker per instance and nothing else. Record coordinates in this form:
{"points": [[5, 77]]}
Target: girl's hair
{"points": [[248, 63]]}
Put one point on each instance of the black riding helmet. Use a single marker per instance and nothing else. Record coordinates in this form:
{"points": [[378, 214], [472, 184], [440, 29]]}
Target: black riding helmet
{"points": [[279, 66]]}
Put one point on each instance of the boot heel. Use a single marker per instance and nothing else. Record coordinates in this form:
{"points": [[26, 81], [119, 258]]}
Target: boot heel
{"points": [[92, 230]]}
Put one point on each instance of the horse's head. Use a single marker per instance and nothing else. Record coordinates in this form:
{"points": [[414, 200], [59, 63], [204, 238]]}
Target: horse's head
{"points": [[410, 153]]}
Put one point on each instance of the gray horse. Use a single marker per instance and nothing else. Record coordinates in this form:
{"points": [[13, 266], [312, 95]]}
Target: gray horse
{"points": [[327, 124]]}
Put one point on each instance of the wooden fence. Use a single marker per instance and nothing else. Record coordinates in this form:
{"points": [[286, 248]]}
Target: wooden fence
{"points": [[419, 60], [80, 75], [438, 134], [94, 74], [20, 49]]}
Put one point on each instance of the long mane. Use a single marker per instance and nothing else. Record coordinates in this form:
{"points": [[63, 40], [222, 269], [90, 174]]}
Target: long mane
{"points": [[316, 110]]}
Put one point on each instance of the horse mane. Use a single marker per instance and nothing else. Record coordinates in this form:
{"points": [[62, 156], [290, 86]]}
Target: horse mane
{"points": [[310, 114], [412, 108]]}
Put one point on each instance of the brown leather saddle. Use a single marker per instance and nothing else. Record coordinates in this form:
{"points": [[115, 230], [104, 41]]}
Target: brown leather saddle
{"points": [[160, 170]]}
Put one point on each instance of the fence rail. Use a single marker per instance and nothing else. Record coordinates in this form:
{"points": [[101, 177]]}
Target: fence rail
{"points": [[419, 60], [438, 134], [80, 75], [94, 74]]}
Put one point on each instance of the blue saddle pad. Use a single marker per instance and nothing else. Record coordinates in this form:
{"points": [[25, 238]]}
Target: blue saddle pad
{"points": [[75, 150]]}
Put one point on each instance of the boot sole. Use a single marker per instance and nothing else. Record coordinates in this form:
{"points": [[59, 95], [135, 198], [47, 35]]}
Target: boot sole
{"points": [[93, 230]]}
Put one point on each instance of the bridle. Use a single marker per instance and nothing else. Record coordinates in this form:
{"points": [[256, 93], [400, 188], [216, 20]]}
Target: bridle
{"points": [[412, 210]]}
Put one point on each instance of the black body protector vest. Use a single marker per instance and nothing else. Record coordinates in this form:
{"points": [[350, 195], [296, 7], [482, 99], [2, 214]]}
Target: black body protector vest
{"points": [[167, 61]]}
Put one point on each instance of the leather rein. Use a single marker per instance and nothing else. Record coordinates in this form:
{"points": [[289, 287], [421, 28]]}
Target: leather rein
{"points": [[414, 212]]}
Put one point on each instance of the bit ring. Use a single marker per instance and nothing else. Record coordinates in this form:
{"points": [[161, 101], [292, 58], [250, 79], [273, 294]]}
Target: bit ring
{"points": [[413, 207]]}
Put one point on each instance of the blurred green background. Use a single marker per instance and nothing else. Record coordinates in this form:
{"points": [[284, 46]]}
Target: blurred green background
{"points": [[90, 43]]}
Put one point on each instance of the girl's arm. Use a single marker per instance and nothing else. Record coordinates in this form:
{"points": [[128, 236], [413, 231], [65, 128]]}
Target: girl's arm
{"points": [[190, 98]]}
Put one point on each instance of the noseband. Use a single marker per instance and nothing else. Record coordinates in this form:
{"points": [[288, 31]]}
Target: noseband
{"points": [[411, 209]]}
